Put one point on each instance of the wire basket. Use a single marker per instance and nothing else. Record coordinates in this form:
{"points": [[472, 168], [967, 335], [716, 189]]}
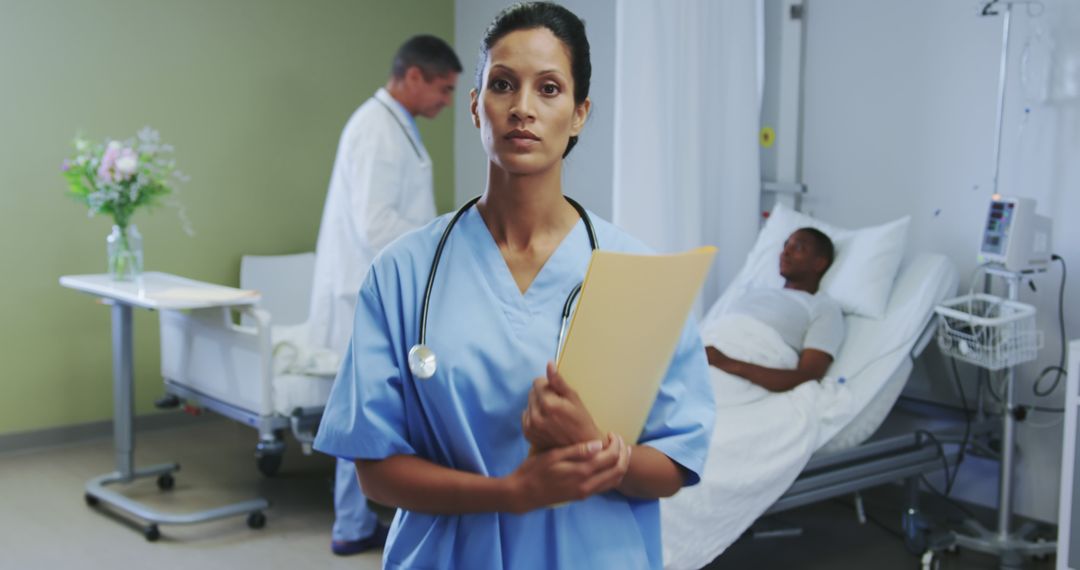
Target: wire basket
{"points": [[988, 331]]}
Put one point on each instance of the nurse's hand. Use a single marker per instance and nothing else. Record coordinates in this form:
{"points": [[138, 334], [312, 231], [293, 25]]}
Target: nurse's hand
{"points": [[569, 473], [556, 416]]}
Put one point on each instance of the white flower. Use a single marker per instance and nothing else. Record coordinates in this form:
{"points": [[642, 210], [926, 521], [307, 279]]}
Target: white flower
{"points": [[126, 163]]}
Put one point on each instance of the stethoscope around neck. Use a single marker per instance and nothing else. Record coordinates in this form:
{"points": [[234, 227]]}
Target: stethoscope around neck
{"points": [[404, 129], [422, 361]]}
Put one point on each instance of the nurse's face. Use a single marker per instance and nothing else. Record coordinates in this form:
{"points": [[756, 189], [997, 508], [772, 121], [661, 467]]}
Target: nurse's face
{"points": [[526, 111]]}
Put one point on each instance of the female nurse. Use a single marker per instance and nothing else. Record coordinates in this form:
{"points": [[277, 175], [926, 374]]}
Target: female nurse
{"points": [[452, 452]]}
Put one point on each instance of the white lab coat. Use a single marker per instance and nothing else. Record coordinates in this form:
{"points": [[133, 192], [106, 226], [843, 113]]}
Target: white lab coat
{"points": [[380, 188]]}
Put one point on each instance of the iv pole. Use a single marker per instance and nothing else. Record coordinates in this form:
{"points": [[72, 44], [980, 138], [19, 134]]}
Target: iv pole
{"points": [[1010, 547]]}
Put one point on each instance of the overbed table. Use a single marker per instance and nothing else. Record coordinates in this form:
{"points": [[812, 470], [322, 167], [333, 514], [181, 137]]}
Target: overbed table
{"points": [[154, 291]]}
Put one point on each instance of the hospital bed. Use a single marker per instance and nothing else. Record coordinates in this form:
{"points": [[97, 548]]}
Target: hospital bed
{"points": [[819, 441], [224, 360]]}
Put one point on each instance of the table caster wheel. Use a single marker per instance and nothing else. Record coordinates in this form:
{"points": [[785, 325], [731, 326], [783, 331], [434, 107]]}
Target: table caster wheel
{"points": [[256, 520], [165, 481], [152, 533]]}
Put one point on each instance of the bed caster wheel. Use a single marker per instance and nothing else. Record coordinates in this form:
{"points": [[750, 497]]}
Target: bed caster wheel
{"points": [[269, 464], [256, 520], [167, 402], [91, 501], [915, 532], [269, 453], [152, 533], [915, 544], [930, 561], [1041, 557], [165, 482]]}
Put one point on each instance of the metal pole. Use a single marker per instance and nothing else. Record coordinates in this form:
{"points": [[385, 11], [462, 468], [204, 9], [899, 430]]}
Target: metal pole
{"points": [[1008, 437], [799, 154], [1001, 93], [123, 388], [1007, 440]]}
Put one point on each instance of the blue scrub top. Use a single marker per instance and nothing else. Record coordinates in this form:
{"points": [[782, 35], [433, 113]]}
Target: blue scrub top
{"points": [[491, 342]]}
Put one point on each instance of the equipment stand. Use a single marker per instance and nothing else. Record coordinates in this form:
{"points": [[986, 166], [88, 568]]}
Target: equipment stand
{"points": [[1011, 547]]}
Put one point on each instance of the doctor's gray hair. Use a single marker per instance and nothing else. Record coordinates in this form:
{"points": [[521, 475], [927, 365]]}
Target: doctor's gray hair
{"points": [[433, 56], [562, 23]]}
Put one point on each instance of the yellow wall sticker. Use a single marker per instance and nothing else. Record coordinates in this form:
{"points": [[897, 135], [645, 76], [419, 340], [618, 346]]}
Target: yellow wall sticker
{"points": [[767, 137]]}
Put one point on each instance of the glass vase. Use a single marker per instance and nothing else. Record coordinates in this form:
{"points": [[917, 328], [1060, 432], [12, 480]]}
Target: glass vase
{"points": [[125, 253]]}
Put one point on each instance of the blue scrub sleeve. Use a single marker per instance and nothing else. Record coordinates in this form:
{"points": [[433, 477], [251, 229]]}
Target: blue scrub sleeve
{"points": [[365, 413], [680, 424]]}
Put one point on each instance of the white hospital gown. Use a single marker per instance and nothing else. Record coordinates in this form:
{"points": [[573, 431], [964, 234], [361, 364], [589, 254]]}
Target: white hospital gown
{"points": [[802, 319]]}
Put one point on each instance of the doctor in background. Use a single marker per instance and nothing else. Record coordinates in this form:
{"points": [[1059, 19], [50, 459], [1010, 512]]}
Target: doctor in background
{"points": [[380, 188]]}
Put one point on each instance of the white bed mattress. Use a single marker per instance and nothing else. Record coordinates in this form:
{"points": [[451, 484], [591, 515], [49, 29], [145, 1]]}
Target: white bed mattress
{"points": [[876, 352], [758, 449]]}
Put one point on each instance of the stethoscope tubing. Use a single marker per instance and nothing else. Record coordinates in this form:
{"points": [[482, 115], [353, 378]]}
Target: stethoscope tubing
{"points": [[425, 306], [404, 129], [567, 306], [435, 266]]}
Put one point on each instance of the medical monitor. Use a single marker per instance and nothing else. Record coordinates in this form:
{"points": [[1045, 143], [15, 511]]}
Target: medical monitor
{"points": [[1015, 236]]}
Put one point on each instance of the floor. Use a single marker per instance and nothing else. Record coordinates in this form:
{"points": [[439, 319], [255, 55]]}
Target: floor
{"points": [[44, 522], [832, 538]]}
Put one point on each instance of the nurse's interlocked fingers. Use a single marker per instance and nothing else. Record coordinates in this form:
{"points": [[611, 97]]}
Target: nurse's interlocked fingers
{"points": [[556, 416], [611, 466], [555, 476]]}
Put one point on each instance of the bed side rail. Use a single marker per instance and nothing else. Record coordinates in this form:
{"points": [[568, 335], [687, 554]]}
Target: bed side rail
{"points": [[878, 462]]}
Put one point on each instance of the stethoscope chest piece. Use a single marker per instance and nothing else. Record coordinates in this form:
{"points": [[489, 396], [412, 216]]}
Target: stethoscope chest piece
{"points": [[422, 361]]}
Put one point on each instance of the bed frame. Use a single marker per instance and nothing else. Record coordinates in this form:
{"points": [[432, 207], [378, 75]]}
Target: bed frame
{"points": [[212, 361]]}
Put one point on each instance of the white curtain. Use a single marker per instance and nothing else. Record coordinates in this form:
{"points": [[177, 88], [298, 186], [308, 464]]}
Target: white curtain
{"points": [[687, 107]]}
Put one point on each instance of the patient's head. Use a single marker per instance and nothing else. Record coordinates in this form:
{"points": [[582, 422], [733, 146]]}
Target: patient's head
{"points": [[807, 254]]}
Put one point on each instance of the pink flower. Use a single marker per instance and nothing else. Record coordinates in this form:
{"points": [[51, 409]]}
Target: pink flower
{"points": [[118, 163], [108, 161]]}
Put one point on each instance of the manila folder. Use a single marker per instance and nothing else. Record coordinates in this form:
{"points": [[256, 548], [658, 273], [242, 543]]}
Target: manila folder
{"points": [[622, 337]]}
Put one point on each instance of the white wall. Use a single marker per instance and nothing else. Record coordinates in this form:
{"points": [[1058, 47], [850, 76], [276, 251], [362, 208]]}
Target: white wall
{"points": [[588, 169], [899, 120]]}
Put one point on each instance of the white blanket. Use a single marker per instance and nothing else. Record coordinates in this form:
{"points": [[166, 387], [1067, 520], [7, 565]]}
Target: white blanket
{"points": [[749, 340], [761, 441]]}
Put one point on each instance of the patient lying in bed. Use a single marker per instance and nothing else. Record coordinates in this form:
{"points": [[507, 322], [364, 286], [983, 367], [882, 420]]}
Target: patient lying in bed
{"points": [[779, 338]]}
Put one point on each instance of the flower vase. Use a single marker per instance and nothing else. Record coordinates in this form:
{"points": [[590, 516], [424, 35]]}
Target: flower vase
{"points": [[125, 253]]}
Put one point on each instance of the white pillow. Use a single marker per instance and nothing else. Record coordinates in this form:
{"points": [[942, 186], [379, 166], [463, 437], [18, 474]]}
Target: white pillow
{"points": [[863, 271]]}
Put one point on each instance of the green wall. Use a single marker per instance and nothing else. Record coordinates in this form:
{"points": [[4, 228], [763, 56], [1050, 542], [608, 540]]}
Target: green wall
{"points": [[252, 93]]}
